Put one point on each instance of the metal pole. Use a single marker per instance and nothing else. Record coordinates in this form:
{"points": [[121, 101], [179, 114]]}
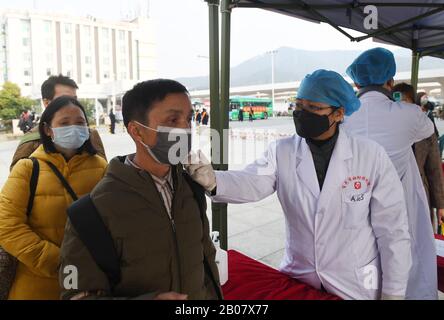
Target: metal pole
{"points": [[272, 74], [415, 61], [415, 70], [225, 101], [213, 11]]}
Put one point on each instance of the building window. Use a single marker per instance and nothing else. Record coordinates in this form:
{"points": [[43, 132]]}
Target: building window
{"points": [[68, 28], [68, 73], [105, 33], [48, 72], [88, 60], [105, 43], [68, 59], [68, 44], [88, 74], [26, 26], [27, 73], [106, 61], [122, 35], [25, 42], [47, 25], [106, 75], [28, 84], [123, 62], [87, 31], [27, 57]]}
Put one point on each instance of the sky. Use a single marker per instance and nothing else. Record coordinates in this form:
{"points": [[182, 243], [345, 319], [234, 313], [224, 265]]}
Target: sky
{"points": [[181, 31]]}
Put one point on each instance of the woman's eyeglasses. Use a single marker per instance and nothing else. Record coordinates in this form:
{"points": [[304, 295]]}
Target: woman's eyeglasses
{"points": [[309, 107]]}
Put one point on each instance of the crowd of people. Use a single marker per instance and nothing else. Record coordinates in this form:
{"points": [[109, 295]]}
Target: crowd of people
{"points": [[27, 121], [358, 184], [201, 117]]}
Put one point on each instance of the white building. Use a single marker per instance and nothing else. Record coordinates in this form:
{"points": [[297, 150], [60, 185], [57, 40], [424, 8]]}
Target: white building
{"points": [[105, 58]]}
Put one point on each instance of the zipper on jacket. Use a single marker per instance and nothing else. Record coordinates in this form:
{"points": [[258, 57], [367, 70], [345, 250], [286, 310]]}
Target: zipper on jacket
{"points": [[179, 265], [173, 226]]}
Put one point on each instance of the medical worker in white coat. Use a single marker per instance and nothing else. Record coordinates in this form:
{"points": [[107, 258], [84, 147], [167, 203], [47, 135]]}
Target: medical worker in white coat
{"points": [[397, 126], [346, 220]]}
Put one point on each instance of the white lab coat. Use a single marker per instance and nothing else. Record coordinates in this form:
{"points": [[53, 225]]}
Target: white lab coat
{"points": [[338, 236], [397, 126]]}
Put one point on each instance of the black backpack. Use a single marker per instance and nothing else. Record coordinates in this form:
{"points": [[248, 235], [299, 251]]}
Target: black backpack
{"points": [[96, 237]]}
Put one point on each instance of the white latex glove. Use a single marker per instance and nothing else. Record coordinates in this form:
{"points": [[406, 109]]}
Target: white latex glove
{"points": [[201, 170]]}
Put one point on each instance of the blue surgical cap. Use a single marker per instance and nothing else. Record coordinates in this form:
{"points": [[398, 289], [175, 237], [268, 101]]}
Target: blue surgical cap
{"points": [[373, 67], [329, 87]]}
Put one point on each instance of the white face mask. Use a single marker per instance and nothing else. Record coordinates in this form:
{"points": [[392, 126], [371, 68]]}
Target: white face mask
{"points": [[70, 137]]}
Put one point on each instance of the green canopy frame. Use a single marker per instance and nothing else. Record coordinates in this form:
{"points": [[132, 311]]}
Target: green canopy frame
{"points": [[422, 32]]}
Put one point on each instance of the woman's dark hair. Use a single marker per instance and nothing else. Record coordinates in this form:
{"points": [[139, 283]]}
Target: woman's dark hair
{"points": [[48, 116], [419, 96]]}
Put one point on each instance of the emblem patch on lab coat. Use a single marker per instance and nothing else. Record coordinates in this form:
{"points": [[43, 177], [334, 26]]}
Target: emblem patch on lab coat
{"points": [[355, 187]]}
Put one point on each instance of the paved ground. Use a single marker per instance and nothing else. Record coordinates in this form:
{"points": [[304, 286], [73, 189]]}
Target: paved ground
{"points": [[256, 229]]}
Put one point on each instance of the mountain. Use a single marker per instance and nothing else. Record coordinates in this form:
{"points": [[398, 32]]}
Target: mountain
{"points": [[293, 64]]}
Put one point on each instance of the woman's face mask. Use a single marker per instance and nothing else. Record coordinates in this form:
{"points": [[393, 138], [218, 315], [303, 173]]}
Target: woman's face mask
{"points": [[172, 145], [70, 137], [311, 125]]}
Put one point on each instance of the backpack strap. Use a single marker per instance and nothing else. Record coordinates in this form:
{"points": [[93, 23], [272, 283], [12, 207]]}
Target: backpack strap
{"points": [[33, 184], [96, 237], [199, 196], [62, 180]]}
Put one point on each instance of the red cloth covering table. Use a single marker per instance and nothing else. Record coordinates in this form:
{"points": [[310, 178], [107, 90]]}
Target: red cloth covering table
{"points": [[249, 279]]}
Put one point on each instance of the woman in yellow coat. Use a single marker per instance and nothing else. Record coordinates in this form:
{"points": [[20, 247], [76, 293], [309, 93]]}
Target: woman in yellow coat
{"points": [[35, 240]]}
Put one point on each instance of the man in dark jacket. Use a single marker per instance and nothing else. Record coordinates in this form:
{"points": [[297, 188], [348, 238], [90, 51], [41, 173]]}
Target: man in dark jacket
{"points": [[112, 119], [241, 115], [205, 117], [149, 207], [427, 106], [25, 123]]}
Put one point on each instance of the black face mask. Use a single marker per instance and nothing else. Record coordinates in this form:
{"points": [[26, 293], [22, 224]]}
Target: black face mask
{"points": [[309, 124]]}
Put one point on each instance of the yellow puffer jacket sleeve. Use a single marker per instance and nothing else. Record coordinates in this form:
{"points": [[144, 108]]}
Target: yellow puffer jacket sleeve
{"points": [[16, 236]]}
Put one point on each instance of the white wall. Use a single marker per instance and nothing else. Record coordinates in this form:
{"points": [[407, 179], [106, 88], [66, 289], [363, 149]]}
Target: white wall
{"points": [[147, 49]]}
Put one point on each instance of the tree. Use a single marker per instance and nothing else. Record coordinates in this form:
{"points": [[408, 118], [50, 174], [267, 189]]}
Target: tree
{"points": [[89, 106], [12, 104]]}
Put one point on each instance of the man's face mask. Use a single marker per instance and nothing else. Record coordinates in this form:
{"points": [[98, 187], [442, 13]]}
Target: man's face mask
{"points": [[172, 146], [70, 137], [309, 124]]}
